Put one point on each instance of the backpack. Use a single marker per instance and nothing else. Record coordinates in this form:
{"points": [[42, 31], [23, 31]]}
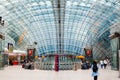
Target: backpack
{"points": [[95, 68]]}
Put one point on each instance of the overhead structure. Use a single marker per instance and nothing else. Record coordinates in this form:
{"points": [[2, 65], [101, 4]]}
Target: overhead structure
{"points": [[61, 26]]}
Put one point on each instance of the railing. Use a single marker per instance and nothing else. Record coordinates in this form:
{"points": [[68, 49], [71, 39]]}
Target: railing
{"points": [[62, 65]]}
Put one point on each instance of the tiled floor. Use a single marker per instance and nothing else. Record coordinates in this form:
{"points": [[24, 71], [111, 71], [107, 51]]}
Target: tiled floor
{"points": [[17, 73]]}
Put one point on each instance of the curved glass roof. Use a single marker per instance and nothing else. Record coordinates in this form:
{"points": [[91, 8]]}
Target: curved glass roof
{"points": [[61, 26]]}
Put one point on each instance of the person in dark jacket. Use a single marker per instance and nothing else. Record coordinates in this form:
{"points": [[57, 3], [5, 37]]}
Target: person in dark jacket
{"points": [[95, 70]]}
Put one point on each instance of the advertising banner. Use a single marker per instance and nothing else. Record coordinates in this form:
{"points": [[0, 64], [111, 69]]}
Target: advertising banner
{"points": [[31, 54], [88, 54], [10, 47]]}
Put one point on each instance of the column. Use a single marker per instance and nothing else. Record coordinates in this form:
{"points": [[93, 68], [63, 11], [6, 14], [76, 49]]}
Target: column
{"points": [[115, 46], [59, 14], [56, 62], [119, 63], [2, 42]]}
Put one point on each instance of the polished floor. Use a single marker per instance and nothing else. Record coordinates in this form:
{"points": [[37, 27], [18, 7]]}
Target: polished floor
{"points": [[18, 73]]}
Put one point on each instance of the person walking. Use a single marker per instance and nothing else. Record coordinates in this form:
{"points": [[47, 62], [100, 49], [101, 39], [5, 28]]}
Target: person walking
{"points": [[95, 70], [101, 64], [105, 64]]}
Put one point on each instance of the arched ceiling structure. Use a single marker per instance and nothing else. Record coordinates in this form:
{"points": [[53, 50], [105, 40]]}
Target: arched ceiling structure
{"points": [[61, 26]]}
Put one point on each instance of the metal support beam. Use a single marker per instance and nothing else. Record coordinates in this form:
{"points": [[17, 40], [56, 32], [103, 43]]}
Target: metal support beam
{"points": [[59, 13]]}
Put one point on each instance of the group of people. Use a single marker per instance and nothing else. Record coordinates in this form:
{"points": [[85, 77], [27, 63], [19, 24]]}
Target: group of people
{"points": [[28, 64], [85, 65], [103, 63]]}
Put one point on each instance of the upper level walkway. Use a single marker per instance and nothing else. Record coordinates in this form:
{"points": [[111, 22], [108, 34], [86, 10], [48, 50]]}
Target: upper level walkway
{"points": [[18, 73]]}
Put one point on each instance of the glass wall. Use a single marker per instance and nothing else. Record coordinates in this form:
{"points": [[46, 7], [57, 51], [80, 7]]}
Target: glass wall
{"points": [[67, 25]]}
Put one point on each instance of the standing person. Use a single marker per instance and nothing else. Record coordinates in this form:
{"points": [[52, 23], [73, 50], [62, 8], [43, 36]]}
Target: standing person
{"points": [[10, 62], [101, 64], [95, 70], [105, 63]]}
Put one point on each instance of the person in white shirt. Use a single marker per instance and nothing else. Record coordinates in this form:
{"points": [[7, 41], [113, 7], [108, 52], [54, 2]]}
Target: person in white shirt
{"points": [[101, 64], [105, 63]]}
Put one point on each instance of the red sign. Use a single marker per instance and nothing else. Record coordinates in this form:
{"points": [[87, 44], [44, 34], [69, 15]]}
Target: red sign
{"points": [[88, 52], [30, 52]]}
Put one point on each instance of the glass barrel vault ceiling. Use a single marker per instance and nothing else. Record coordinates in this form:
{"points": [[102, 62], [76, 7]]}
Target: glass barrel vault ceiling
{"points": [[61, 26]]}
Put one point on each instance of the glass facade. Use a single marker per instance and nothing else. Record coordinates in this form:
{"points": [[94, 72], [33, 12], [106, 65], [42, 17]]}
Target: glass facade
{"points": [[65, 26]]}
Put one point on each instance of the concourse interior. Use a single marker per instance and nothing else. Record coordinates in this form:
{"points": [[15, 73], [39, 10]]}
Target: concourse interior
{"points": [[59, 39], [18, 73]]}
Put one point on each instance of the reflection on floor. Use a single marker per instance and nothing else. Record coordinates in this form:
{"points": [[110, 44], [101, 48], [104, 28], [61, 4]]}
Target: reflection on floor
{"points": [[18, 73]]}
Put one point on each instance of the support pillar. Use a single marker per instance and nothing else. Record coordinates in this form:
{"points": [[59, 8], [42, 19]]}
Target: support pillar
{"points": [[56, 63], [115, 46], [119, 63]]}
